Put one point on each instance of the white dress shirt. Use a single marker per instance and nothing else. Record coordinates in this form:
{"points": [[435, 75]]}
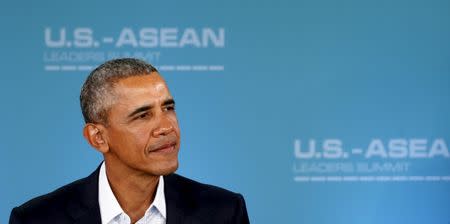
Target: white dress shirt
{"points": [[112, 213]]}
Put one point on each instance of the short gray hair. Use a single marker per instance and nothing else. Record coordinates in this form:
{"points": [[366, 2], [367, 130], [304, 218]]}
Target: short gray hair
{"points": [[97, 92]]}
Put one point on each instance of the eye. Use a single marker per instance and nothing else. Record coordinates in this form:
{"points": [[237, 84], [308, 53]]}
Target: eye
{"points": [[170, 107], [143, 115]]}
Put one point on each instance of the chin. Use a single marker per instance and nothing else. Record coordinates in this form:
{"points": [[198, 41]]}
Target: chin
{"points": [[162, 169]]}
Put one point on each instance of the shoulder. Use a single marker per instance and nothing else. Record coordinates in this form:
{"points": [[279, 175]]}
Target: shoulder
{"points": [[51, 206], [209, 203], [197, 189], [56, 197]]}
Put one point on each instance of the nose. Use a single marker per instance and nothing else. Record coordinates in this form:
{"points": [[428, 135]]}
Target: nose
{"points": [[164, 128]]}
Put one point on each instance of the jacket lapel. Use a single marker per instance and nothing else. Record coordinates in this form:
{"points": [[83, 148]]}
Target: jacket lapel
{"points": [[84, 207], [89, 216], [175, 212], [180, 205]]}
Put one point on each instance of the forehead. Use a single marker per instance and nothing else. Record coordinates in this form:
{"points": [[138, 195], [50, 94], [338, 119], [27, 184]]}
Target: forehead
{"points": [[141, 88]]}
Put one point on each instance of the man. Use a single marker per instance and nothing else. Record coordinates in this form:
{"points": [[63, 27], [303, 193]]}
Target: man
{"points": [[130, 118]]}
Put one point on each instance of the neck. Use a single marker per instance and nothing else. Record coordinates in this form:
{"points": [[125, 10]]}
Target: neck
{"points": [[134, 190]]}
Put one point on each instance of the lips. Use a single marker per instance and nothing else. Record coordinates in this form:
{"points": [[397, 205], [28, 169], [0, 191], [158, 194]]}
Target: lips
{"points": [[163, 147]]}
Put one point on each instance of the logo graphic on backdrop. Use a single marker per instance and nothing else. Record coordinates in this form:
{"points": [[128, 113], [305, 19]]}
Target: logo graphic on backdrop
{"points": [[82, 49], [399, 159]]}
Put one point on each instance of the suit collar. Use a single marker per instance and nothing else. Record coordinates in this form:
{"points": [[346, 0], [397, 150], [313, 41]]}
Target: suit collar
{"points": [[83, 207], [180, 202], [176, 209]]}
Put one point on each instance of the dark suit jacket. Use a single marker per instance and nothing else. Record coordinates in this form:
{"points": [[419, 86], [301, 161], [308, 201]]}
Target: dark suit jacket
{"points": [[187, 201]]}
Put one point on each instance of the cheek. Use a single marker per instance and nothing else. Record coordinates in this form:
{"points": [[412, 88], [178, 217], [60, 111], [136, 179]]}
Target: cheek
{"points": [[141, 136], [133, 139]]}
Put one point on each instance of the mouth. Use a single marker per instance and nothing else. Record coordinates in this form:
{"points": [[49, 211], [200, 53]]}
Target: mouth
{"points": [[163, 148]]}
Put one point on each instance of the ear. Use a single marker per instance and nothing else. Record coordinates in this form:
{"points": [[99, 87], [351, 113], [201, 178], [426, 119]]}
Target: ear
{"points": [[95, 135]]}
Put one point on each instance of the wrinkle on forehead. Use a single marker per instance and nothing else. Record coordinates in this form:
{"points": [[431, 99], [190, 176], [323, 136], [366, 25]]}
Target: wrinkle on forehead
{"points": [[152, 85]]}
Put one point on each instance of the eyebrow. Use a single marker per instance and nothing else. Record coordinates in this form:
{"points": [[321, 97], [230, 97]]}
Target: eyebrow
{"points": [[168, 102], [150, 106]]}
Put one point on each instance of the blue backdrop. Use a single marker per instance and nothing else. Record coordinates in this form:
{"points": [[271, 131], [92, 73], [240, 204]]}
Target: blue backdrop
{"points": [[316, 111]]}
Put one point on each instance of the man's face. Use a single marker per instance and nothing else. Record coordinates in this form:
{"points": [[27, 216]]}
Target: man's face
{"points": [[142, 130]]}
